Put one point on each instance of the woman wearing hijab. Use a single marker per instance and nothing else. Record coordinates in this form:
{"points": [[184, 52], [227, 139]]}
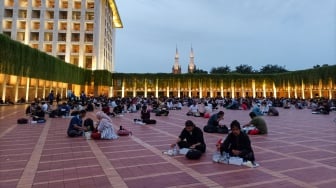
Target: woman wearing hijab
{"points": [[105, 127]]}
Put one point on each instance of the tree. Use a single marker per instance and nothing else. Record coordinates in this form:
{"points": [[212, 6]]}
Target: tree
{"points": [[244, 69], [220, 70], [200, 71], [268, 69]]}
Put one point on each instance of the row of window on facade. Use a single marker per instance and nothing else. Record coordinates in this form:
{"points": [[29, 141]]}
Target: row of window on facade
{"points": [[87, 61], [48, 36], [63, 4], [62, 15], [48, 25]]}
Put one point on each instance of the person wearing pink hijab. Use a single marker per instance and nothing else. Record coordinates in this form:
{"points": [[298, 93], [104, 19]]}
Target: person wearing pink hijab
{"points": [[105, 127]]}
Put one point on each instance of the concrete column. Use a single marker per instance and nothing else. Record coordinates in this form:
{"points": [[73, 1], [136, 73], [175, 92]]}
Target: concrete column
{"points": [[311, 91], [274, 91], [330, 89], [44, 89], [17, 84], [303, 90], [145, 95], [179, 88], [253, 89], [189, 87], [232, 89], [27, 89], [289, 90], [211, 89], [157, 88], [134, 88], [200, 88], [320, 88], [222, 88], [4, 85], [36, 88], [264, 89], [167, 90], [123, 88]]}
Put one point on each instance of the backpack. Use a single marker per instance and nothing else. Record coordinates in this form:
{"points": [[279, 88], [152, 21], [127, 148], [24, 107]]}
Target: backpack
{"points": [[123, 132], [22, 121], [193, 154]]}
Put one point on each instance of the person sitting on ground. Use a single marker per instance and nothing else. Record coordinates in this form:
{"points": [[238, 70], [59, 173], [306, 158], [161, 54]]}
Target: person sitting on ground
{"points": [[76, 125], [45, 107], [237, 143], [63, 110], [272, 111], [191, 137], [193, 110], [90, 107], [105, 127], [256, 109], [106, 110], [259, 124], [145, 116], [38, 115], [213, 125]]}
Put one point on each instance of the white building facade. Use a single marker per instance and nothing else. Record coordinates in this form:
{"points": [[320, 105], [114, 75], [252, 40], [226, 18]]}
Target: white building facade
{"points": [[80, 32]]}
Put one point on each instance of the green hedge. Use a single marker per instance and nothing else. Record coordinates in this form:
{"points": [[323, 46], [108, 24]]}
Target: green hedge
{"points": [[21, 60]]}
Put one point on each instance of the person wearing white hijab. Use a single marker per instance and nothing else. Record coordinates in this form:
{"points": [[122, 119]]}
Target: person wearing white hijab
{"points": [[105, 126]]}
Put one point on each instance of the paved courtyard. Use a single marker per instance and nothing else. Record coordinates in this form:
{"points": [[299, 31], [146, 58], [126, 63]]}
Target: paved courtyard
{"points": [[299, 151]]}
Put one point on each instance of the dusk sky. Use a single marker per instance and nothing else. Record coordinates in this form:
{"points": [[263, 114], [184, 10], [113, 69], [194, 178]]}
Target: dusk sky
{"points": [[296, 34]]}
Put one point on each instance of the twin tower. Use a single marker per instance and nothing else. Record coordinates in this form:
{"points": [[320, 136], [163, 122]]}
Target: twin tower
{"points": [[191, 66]]}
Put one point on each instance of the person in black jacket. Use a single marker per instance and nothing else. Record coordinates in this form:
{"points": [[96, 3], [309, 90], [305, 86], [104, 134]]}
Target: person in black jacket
{"points": [[191, 137], [145, 116], [237, 143]]}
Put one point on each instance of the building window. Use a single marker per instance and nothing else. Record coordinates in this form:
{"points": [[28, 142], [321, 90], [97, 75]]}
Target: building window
{"points": [[76, 27], [75, 49], [36, 14], [62, 57], [49, 25], [21, 25], [88, 48], [9, 3], [89, 27], [76, 15], [74, 60], [8, 13], [88, 62], [77, 5], [8, 25], [20, 36], [63, 26], [7, 33], [48, 48], [64, 4], [50, 4], [89, 16], [23, 3], [88, 37], [37, 3], [34, 36], [36, 25], [48, 36], [90, 5], [49, 14], [34, 46], [22, 14], [61, 48], [61, 37], [75, 37], [63, 15]]}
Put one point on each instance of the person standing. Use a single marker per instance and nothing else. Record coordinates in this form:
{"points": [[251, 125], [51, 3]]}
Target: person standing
{"points": [[51, 97]]}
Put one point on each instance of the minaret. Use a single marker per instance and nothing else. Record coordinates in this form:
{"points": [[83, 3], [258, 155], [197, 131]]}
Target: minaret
{"points": [[191, 66], [176, 66]]}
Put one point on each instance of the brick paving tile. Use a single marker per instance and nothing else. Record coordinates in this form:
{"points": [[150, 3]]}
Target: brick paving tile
{"points": [[299, 151]]}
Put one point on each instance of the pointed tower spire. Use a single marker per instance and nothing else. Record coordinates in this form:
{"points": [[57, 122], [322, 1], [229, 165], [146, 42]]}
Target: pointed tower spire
{"points": [[191, 66], [176, 66]]}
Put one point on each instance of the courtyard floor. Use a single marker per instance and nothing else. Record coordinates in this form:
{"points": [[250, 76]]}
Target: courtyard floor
{"points": [[299, 151]]}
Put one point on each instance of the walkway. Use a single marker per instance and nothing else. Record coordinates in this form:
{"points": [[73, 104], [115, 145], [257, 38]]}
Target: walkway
{"points": [[299, 151]]}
